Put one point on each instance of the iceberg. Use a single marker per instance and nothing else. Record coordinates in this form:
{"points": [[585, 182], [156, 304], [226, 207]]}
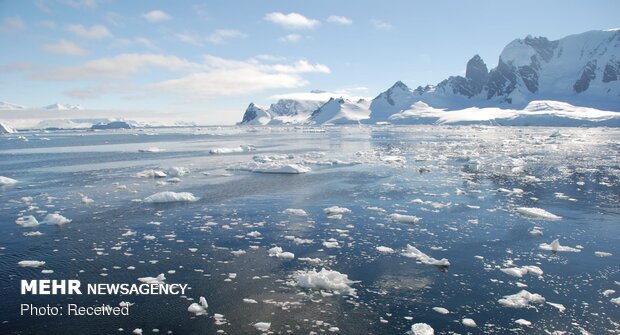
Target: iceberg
{"points": [[6, 181], [329, 280], [413, 252], [167, 197]]}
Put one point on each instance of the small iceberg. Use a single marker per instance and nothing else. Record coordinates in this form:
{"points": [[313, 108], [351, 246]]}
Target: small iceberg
{"points": [[199, 308], [241, 148], [167, 196], [56, 219], [401, 218], [27, 221], [262, 326], [328, 280], [556, 247], [275, 168], [6, 181], [521, 299], [537, 213], [413, 252], [30, 264], [153, 280], [421, 329], [279, 253]]}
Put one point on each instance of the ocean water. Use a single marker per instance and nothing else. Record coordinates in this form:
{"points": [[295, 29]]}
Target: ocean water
{"points": [[464, 184]]}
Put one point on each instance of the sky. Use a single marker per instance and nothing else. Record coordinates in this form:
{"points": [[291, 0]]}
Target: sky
{"points": [[205, 61]]}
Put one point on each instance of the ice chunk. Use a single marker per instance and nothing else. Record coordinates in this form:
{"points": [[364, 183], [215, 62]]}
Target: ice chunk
{"points": [[177, 171], [151, 174], [167, 196], [404, 218], [385, 250], [56, 219], [329, 280], [536, 231], [250, 301], [199, 308], [277, 168], [602, 254], [413, 252], [615, 301], [522, 271], [441, 310], [6, 181], [523, 322], [137, 331], [241, 148], [467, 322], [556, 247], [33, 233], [30, 264], [422, 329], [335, 210], [560, 307], [151, 149], [537, 213], [521, 299], [27, 221], [295, 211], [279, 253], [153, 280], [330, 244], [262, 326]]}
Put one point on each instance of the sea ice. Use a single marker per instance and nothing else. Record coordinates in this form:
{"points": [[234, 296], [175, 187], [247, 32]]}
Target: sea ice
{"points": [[329, 280], [30, 264], [385, 250], [153, 280], [467, 322], [167, 196], [199, 308], [6, 181], [279, 253], [241, 148], [522, 271], [556, 247], [56, 219], [295, 211], [276, 168], [537, 213], [413, 252], [335, 210], [441, 310], [422, 329], [523, 322], [404, 218], [262, 326], [151, 174], [27, 221], [521, 299]]}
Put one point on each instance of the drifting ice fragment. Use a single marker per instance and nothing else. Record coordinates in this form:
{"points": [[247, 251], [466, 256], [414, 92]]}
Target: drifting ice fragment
{"points": [[385, 250], [199, 308], [404, 218], [537, 213], [56, 219], [329, 280], [441, 310], [521, 299], [165, 197], [469, 323], [422, 329], [262, 326], [153, 280], [27, 221], [31, 264], [413, 252], [6, 181], [556, 247]]}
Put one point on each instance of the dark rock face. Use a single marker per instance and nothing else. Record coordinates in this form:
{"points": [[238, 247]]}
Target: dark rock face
{"points": [[477, 73], [529, 75], [285, 107], [250, 113], [112, 125], [587, 76], [502, 81], [543, 47], [611, 71]]}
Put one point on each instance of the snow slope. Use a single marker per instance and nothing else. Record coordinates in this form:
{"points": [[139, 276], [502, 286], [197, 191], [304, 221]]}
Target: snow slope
{"points": [[341, 111]]}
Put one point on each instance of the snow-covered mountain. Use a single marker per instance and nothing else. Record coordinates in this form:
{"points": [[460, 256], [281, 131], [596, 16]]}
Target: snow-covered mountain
{"points": [[62, 107], [341, 111], [577, 70], [285, 111], [6, 129], [9, 106]]}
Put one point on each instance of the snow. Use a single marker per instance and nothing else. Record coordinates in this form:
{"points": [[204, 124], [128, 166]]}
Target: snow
{"points": [[30, 264], [537, 213], [151, 174], [556, 247], [341, 111], [6, 181], [521, 299], [329, 280], [422, 329], [467, 322], [404, 218], [167, 197], [56, 219], [262, 326], [413, 252]]}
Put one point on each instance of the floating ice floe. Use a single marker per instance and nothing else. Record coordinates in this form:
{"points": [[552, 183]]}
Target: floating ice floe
{"points": [[279, 253], [560, 307], [330, 244], [615, 301], [177, 171], [85, 199], [33, 233], [441, 310], [602, 254], [422, 329], [413, 252], [556, 247], [153, 280], [241, 148], [199, 308], [329, 280], [467, 322], [167, 196], [522, 271], [385, 250], [151, 174], [6, 181], [262, 326], [275, 168], [521, 299], [30, 264], [151, 150], [537, 213], [523, 322], [250, 301], [401, 218], [137, 331], [536, 231], [336, 212], [27, 221], [56, 219], [295, 211]]}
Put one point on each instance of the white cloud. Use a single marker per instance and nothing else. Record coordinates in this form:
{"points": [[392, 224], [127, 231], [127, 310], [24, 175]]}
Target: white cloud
{"points": [[118, 67], [290, 38], [64, 47], [318, 96], [291, 20], [221, 35], [94, 32], [81, 3], [381, 24], [189, 38], [11, 24], [339, 20], [224, 77], [156, 16]]}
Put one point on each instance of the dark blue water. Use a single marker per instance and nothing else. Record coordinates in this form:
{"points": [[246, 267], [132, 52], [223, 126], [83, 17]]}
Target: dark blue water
{"points": [[477, 228]]}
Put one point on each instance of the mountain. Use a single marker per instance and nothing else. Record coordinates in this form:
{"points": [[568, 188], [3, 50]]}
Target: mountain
{"points": [[62, 107], [6, 129], [577, 70], [341, 111], [285, 111], [9, 106]]}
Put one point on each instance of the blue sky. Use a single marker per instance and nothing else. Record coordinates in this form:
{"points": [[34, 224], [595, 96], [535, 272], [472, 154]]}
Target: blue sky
{"points": [[205, 61]]}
